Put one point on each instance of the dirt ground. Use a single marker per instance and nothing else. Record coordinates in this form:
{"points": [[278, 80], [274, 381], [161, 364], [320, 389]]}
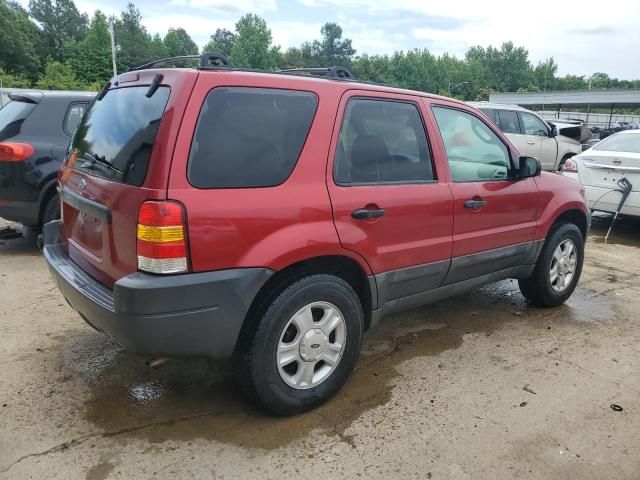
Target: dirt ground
{"points": [[480, 386]]}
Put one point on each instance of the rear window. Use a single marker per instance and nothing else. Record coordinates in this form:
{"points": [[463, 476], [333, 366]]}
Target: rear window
{"points": [[11, 117], [625, 142], [115, 138], [249, 137]]}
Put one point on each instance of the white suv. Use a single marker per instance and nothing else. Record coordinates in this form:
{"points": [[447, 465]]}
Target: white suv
{"points": [[530, 134]]}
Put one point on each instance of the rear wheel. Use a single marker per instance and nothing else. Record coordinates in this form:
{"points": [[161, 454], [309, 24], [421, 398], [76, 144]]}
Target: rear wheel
{"points": [[51, 209], [558, 268], [305, 345]]}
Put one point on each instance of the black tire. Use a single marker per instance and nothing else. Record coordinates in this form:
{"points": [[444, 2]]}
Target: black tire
{"points": [[51, 210], [256, 368], [537, 288]]}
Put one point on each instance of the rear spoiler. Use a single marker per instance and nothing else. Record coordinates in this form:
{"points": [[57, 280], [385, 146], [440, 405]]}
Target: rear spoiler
{"points": [[26, 97]]}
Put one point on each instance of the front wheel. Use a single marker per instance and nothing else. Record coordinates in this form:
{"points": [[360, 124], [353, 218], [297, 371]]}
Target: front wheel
{"points": [[305, 345], [558, 268]]}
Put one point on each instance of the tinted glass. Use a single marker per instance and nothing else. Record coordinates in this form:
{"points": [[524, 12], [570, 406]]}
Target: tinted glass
{"points": [[491, 113], [626, 142], [474, 151], [73, 117], [249, 137], [11, 117], [115, 138], [380, 142], [508, 121], [532, 125]]}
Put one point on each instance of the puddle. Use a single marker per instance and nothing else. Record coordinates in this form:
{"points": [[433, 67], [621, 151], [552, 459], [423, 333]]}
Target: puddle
{"points": [[626, 230], [190, 398]]}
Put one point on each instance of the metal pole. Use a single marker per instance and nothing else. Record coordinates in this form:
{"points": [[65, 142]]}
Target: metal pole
{"points": [[113, 48], [586, 123], [610, 115]]}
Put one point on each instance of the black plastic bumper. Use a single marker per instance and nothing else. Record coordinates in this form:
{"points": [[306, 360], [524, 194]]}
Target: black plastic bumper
{"points": [[27, 213], [196, 314]]}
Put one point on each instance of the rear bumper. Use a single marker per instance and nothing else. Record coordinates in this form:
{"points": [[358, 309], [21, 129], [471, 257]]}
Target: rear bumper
{"points": [[27, 213], [601, 200], [197, 314]]}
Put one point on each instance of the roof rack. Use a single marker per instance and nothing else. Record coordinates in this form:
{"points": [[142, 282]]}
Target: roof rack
{"points": [[329, 72], [217, 61], [207, 60]]}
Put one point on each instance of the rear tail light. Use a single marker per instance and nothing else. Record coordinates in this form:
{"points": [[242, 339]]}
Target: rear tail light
{"points": [[570, 166], [162, 246], [15, 152]]}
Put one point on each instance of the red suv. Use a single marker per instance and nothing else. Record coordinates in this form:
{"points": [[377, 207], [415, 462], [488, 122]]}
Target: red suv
{"points": [[274, 217]]}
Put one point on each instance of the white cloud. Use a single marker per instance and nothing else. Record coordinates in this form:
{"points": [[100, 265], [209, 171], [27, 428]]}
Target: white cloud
{"points": [[254, 6]]}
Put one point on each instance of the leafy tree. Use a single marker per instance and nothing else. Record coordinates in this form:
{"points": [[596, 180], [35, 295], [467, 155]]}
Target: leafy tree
{"points": [[60, 21], [252, 46], [59, 76], [220, 42], [91, 59], [177, 42], [16, 81], [331, 50], [19, 41], [134, 42], [157, 48]]}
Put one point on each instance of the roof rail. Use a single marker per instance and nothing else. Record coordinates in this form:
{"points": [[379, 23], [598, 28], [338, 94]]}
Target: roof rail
{"points": [[329, 72], [207, 60]]}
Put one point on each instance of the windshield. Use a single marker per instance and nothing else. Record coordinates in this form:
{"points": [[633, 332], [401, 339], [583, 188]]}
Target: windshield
{"points": [[625, 142], [11, 117], [115, 137]]}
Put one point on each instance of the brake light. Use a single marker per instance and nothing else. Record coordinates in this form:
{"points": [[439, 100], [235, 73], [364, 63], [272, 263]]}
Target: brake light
{"points": [[570, 166], [15, 152], [161, 234]]}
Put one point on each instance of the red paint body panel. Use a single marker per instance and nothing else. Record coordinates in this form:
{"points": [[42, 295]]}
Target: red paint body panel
{"points": [[558, 194]]}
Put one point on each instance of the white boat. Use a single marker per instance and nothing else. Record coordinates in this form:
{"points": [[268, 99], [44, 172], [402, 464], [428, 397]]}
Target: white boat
{"points": [[602, 168]]}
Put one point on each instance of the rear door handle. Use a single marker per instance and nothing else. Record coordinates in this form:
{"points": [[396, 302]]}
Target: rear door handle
{"points": [[475, 204], [531, 143], [364, 214]]}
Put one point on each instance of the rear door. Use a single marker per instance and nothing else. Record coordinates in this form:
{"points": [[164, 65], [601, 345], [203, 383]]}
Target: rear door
{"points": [[494, 214], [389, 204], [119, 157]]}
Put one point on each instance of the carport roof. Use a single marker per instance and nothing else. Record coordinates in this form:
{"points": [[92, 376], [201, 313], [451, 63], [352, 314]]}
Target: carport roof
{"points": [[574, 98]]}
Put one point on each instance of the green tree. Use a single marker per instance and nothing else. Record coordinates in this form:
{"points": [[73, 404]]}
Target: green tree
{"points": [[91, 59], [60, 21], [331, 50], [19, 41], [59, 76], [220, 42], [252, 46], [177, 42], [157, 48], [132, 38], [16, 81]]}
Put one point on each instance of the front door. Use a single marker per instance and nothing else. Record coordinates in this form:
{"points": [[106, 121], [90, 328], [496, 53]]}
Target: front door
{"points": [[388, 203], [537, 132], [494, 214]]}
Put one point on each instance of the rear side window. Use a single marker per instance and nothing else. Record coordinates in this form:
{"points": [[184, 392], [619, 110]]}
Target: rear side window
{"points": [[115, 138], [492, 114], [73, 117], [508, 121], [12, 115], [249, 137], [382, 141]]}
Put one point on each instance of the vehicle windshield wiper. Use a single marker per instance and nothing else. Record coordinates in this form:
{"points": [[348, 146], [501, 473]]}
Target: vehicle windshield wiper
{"points": [[91, 160]]}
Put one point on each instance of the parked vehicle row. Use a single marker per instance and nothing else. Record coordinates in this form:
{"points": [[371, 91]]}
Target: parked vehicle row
{"points": [[35, 130], [272, 218]]}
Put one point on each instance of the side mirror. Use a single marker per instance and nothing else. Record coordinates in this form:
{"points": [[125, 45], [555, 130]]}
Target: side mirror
{"points": [[553, 132], [529, 167]]}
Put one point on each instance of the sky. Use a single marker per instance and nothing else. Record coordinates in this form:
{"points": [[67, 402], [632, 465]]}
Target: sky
{"points": [[584, 37]]}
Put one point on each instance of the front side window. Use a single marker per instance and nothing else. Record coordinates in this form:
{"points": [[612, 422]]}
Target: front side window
{"points": [[249, 137], [532, 125], [382, 141], [474, 151], [508, 121]]}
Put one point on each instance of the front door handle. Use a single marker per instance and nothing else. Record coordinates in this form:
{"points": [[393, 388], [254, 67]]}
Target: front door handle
{"points": [[365, 214], [475, 204]]}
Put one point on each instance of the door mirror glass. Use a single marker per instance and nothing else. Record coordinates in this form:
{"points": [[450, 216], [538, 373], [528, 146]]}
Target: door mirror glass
{"points": [[529, 167]]}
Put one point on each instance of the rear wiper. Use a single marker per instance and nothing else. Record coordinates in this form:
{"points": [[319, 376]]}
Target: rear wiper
{"points": [[91, 160]]}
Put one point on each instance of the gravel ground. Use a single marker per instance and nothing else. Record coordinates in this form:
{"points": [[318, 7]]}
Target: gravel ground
{"points": [[478, 386]]}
